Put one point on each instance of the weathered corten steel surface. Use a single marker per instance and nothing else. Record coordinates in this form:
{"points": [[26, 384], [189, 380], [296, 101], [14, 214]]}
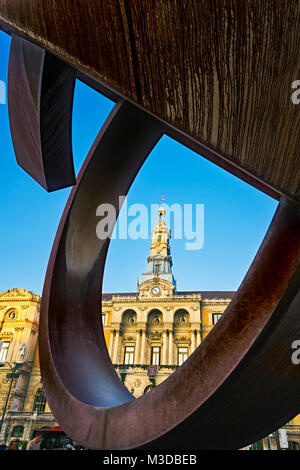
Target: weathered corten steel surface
{"points": [[40, 97], [240, 384], [220, 72]]}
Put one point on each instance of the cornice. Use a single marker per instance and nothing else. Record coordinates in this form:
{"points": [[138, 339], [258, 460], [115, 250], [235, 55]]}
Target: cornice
{"points": [[215, 301], [19, 300], [153, 300]]}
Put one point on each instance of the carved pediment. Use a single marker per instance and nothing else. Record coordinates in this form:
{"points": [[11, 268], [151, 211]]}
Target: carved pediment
{"points": [[155, 336], [182, 340], [6, 334], [128, 338], [156, 288], [18, 294]]}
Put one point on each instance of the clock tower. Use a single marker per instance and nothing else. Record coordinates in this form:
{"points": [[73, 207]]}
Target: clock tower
{"points": [[159, 263]]}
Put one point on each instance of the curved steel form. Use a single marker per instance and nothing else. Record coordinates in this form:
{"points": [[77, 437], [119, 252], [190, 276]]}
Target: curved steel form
{"points": [[40, 93], [239, 385]]}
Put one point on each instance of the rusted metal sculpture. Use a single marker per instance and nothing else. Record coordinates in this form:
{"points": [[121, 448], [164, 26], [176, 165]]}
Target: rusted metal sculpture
{"points": [[240, 384]]}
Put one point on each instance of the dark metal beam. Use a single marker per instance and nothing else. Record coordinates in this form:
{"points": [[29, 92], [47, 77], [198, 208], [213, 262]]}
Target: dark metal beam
{"points": [[40, 99], [219, 73]]}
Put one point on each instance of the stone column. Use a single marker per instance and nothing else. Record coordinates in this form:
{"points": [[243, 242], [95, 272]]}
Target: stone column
{"points": [[143, 347], [111, 342], [17, 341], [31, 345], [198, 338], [137, 347], [116, 347], [170, 347], [193, 344], [164, 354]]}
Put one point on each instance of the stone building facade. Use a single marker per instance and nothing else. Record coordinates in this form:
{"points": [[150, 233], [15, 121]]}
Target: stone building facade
{"points": [[149, 333], [22, 403]]}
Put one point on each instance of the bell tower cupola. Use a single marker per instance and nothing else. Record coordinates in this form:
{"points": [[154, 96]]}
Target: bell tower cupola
{"points": [[160, 260]]}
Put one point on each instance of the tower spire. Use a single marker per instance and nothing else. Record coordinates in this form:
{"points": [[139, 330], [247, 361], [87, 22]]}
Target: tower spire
{"points": [[160, 260]]}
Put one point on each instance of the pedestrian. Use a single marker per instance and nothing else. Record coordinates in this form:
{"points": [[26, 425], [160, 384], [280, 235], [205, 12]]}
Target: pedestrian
{"points": [[3, 446], [14, 445], [75, 446], [35, 443], [24, 445]]}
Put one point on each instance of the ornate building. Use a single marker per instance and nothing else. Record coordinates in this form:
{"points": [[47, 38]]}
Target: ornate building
{"points": [[157, 325], [149, 333], [22, 403]]}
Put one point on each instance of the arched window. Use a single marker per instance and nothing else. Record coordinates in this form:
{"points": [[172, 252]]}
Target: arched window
{"points": [[154, 317], [181, 318], [148, 388], [11, 314], [17, 431], [128, 318], [39, 401]]}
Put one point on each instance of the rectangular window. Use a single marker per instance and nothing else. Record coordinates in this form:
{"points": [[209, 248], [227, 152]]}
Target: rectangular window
{"points": [[103, 318], [3, 351], [216, 317], [182, 355], [155, 356], [39, 401], [129, 355], [17, 431]]}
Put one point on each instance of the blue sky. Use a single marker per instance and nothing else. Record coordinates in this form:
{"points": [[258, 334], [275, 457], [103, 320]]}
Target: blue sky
{"points": [[236, 215]]}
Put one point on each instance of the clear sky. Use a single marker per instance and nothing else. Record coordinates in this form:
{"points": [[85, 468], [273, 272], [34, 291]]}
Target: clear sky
{"points": [[235, 222]]}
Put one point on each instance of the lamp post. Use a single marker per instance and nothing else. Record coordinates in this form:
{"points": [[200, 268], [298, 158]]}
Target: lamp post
{"points": [[14, 374]]}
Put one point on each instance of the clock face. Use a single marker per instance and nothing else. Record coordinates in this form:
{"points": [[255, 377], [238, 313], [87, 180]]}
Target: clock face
{"points": [[155, 290]]}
